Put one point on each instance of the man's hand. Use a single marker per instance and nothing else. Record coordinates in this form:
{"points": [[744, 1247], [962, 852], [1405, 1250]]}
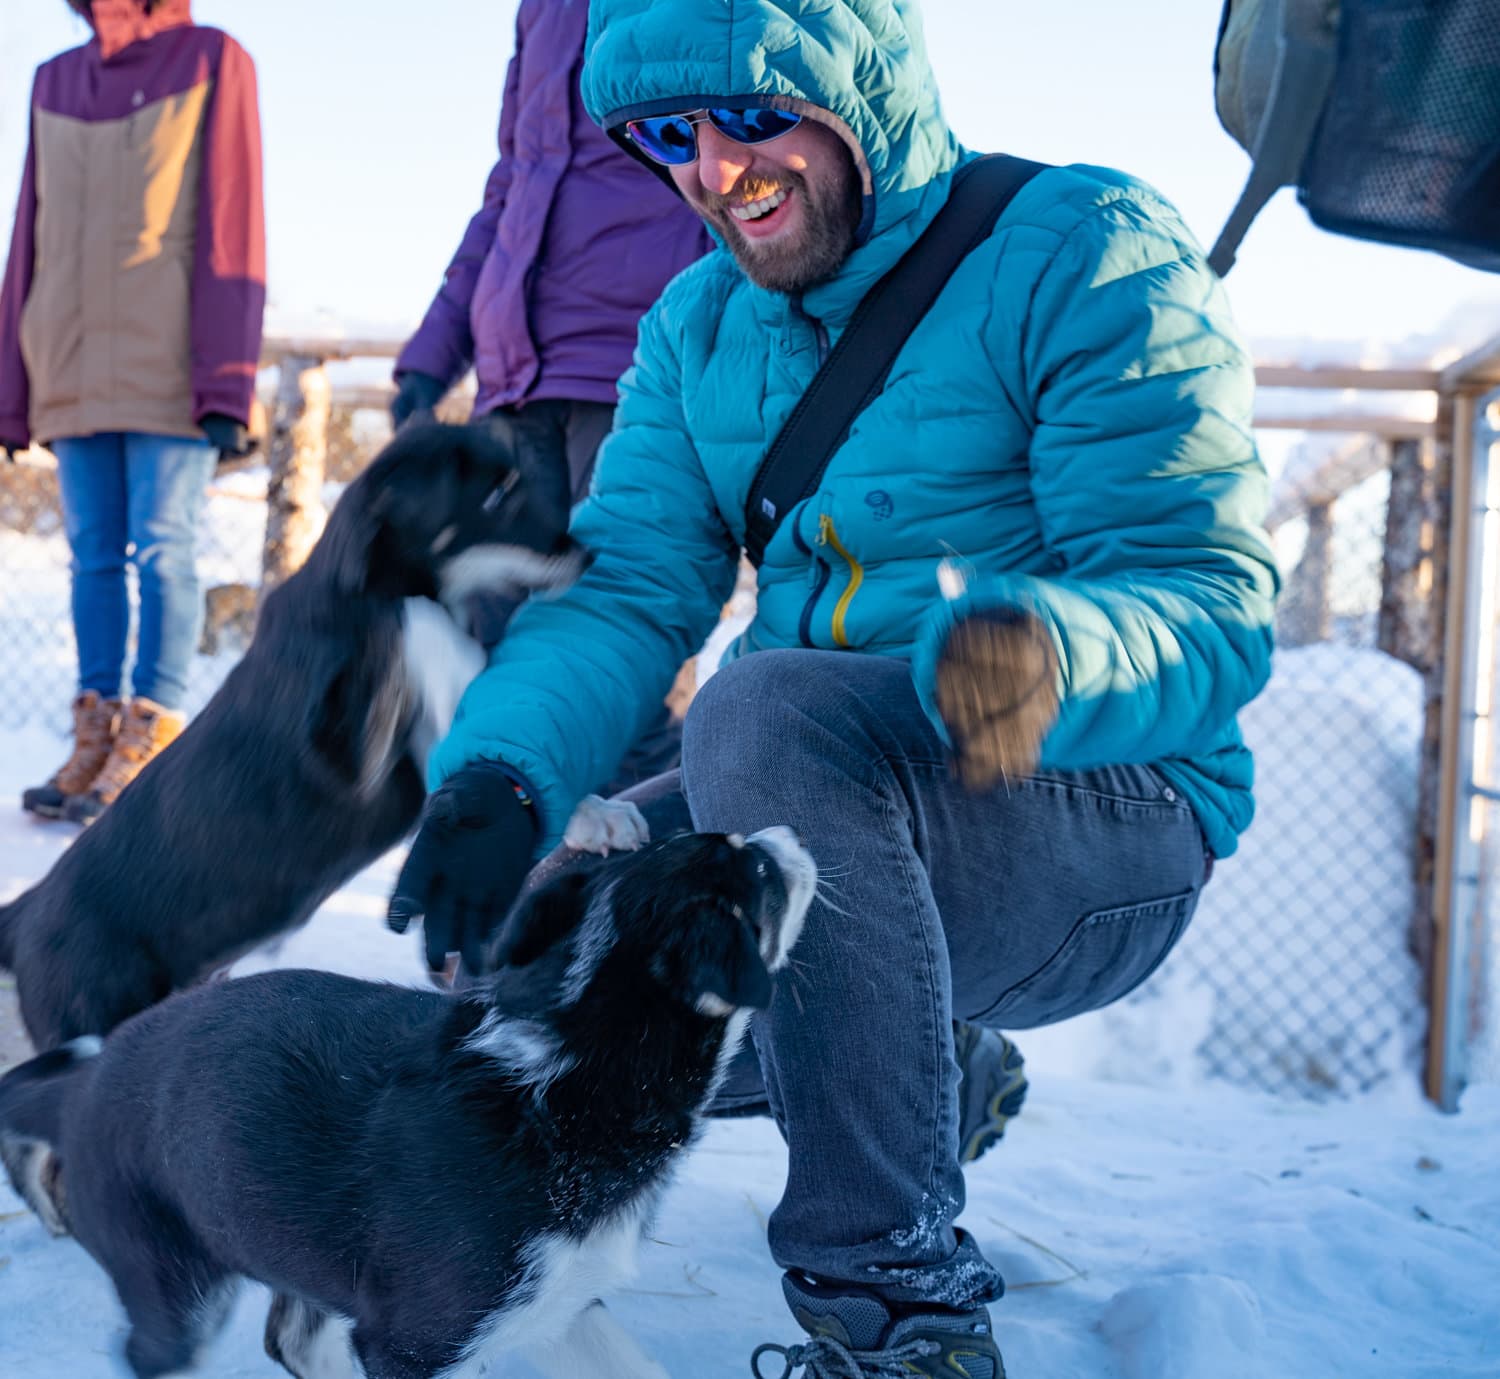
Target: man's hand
{"points": [[997, 693], [466, 865], [226, 435], [416, 393]]}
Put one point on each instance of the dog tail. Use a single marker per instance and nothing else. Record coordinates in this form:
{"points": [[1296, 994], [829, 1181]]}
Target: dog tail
{"points": [[31, 1111]]}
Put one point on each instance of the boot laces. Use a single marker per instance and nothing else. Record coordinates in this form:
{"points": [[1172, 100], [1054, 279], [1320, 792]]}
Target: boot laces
{"points": [[825, 1358]]}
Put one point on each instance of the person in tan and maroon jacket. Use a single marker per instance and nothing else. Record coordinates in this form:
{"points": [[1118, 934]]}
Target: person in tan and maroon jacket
{"points": [[130, 330]]}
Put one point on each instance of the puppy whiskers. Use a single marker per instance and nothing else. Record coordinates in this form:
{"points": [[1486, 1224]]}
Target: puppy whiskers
{"points": [[822, 895]]}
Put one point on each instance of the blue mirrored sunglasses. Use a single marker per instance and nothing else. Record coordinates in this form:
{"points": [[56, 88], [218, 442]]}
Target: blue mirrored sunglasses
{"points": [[673, 139]]}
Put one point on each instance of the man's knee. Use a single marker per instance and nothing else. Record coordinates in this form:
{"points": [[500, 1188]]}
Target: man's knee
{"points": [[756, 700], [774, 722]]}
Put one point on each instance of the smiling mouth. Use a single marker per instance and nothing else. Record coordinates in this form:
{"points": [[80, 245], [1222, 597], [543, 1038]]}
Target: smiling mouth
{"points": [[752, 211]]}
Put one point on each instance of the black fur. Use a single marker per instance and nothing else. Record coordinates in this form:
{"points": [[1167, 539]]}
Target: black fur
{"points": [[299, 772], [350, 1145]]}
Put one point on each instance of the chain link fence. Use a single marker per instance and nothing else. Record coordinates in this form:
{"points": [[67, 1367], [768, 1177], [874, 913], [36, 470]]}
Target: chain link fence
{"points": [[37, 651], [1298, 963], [1304, 937]]}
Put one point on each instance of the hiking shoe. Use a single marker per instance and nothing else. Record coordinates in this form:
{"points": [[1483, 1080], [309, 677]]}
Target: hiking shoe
{"points": [[145, 728], [854, 1335], [991, 1088], [95, 722]]}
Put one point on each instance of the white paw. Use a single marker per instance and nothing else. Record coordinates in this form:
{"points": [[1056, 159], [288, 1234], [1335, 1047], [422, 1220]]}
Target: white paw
{"points": [[601, 826]]}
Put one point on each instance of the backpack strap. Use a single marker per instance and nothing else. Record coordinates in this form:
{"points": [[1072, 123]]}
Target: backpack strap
{"points": [[1306, 54], [857, 367]]}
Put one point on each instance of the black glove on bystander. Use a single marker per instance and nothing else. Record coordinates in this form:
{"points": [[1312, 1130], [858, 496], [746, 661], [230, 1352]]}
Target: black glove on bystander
{"points": [[415, 392], [467, 863], [226, 435]]}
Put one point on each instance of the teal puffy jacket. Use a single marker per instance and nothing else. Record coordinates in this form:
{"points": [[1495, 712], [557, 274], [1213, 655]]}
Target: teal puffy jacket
{"points": [[1069, 427]]}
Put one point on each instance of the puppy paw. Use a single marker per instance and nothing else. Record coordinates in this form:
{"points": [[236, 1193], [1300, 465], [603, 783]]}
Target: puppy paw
{"points": [[601, 826]]}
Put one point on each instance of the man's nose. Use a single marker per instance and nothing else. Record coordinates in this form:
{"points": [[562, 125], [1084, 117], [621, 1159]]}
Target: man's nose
{"points": [[721, 161]]}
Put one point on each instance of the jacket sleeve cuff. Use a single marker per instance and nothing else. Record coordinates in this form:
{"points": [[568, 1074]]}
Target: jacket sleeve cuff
{"points": [[550, 798]]}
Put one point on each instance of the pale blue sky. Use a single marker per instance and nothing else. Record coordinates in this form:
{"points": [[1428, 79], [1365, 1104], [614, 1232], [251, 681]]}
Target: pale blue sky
{"points": [[379, 123]]}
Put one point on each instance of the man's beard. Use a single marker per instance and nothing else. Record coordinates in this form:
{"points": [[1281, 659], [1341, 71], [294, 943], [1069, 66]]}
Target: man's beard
{"points": [[831, 212]]}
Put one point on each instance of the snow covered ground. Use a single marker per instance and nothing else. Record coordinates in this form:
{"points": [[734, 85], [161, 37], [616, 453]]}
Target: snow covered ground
{"points": [[1185, 1230]]}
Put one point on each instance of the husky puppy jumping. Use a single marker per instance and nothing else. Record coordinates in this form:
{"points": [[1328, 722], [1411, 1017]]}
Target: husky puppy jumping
{"points": [[308, 763]]}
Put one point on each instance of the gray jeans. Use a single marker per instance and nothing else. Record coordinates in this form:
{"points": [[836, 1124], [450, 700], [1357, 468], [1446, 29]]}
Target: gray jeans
{"points": [[1044, 899]]}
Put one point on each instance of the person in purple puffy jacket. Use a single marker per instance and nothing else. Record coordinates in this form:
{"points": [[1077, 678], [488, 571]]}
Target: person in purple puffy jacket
{"points": [[574, 242]]}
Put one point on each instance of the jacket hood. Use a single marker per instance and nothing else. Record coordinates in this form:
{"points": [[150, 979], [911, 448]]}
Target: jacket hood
{"points": [[858, 65], [119, 23]]}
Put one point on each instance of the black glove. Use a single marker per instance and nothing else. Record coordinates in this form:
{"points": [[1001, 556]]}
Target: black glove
{"points": [[415, 392], [227, 435], [10, 451], [467, 863]]}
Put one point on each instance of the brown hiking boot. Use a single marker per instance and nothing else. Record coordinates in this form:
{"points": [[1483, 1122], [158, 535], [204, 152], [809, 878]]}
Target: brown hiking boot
{"points": [[145, 728], [95, 722]]}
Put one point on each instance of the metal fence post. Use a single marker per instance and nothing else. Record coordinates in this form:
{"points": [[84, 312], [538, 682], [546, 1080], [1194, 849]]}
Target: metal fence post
{"points": [[1468, 747]]}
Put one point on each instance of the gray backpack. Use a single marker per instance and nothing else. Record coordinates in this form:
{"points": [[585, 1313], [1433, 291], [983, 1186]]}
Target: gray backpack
{"points": [[1384, 114]]}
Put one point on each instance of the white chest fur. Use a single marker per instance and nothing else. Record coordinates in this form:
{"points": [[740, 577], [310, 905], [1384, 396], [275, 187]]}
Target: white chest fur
{"points": [[560, 1325], [440, 660]]}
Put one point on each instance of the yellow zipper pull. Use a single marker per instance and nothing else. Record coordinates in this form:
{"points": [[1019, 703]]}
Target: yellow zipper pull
{"points": [[828, 537]]}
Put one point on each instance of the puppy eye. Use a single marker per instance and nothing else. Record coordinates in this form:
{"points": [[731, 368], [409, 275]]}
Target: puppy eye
{"points": [[501, 491]]}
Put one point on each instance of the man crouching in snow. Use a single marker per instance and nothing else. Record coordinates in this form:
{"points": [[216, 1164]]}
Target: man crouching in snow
{"points": [[993, 676]]}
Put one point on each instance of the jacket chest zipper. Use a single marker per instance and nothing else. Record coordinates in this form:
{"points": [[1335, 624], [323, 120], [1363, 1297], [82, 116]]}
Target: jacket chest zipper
{"points": [[827, 536], [818, 576]]}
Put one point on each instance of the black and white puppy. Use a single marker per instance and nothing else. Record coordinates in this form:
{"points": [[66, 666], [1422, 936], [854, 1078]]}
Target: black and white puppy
{"points": [[308, 762], [424, 1180]]}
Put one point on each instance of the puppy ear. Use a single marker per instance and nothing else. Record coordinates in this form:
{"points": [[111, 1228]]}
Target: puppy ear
{"points": [[541, 919], [390, 567], [737, 976]]}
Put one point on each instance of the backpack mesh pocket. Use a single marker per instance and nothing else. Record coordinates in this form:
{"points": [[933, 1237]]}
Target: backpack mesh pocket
{"points": [[1408, 147]]}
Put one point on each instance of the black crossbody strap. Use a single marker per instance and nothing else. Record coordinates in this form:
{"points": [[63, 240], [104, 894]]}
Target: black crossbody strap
{"points": [[856, 369]]}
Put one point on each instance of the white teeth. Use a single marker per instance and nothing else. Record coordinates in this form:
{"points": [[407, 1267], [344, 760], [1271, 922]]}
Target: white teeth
{"points": [[756, 209]]}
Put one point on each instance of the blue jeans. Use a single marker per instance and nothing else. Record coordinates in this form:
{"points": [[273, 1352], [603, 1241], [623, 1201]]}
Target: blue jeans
{"points": [[126, 495], [1019, 907]]}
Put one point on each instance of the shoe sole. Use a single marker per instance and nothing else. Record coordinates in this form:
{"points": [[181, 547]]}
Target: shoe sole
{"points": [[43, 811], [1000, 1110]]}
